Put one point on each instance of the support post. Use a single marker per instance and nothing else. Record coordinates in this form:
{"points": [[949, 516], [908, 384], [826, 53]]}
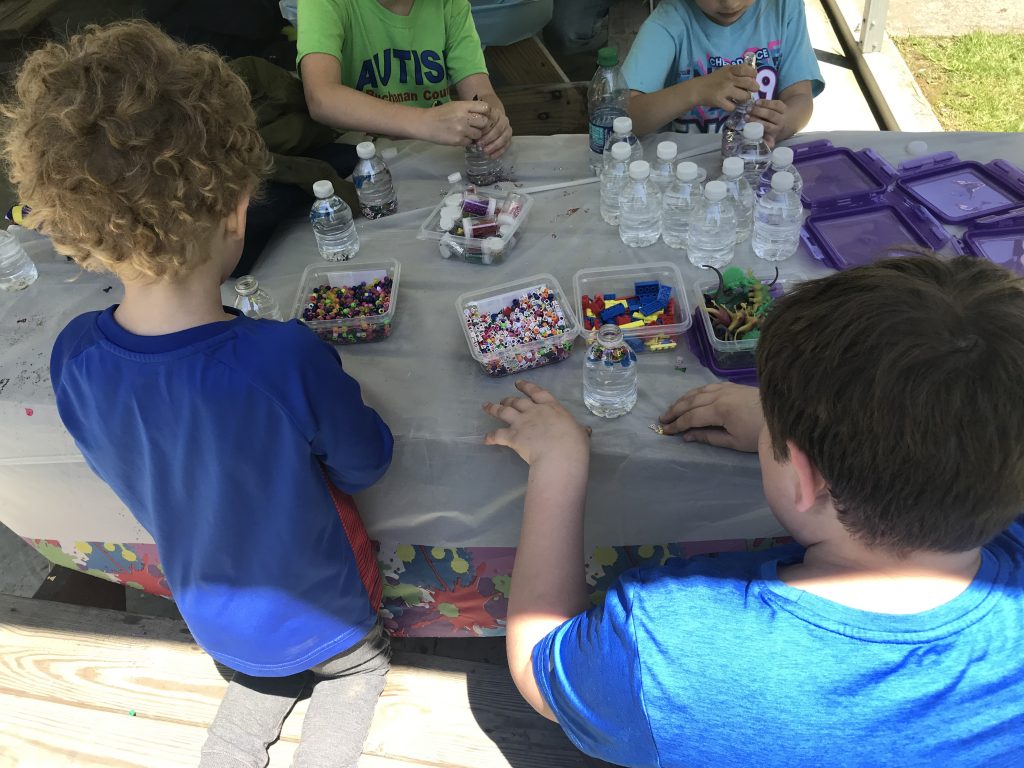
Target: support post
{"points": [[872, 26]]}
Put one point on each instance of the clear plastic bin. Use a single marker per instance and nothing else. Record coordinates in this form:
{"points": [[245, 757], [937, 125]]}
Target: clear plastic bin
{"points": [[522, 357], [349, 330], [477, 250], [621, 281]]}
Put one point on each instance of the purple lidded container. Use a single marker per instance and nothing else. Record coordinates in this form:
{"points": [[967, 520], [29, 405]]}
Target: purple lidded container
{"points": [[959, 192], [833, 173], [1000, 241], [699, 346]]}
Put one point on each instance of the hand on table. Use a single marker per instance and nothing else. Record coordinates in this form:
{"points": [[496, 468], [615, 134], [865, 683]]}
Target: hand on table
{"points": [[726, 87], [539, 428], [498, 133], [457, 123], [726, 415], [772, 115]]}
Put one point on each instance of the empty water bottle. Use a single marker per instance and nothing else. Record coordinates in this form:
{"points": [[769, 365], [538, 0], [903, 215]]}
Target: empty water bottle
{"points": [[755, 153], [678, 203], [639, 208], [622, 130], [741, 194], [782, 160], [732, 130], [17, 270], [712, 237], [609, 374], [607, 98], [373, 182], [253, 301], [663, 171], [613, 178], [777, 220], [335, 232]]}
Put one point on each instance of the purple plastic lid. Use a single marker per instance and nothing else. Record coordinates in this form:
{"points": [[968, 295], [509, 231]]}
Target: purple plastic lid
{"points": [[1001, 243], [833, 173], [699, 346], [959, 192]]}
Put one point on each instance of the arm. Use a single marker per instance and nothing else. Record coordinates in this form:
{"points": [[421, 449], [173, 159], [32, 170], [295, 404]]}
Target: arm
{"points": [[726, 415], [786, 115], [498, 134], [724, 88]]}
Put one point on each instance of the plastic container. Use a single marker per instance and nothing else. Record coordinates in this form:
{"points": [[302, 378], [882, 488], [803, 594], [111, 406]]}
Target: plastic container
{"points": [[781, 160], [663, 169], [732, 129], [755, 153], [831, 174], [1000, 241], [677, 205], [529, 355], [741, 194], [512, 212], [614, 177], [599, 281], [959, 192], [353, 330]]}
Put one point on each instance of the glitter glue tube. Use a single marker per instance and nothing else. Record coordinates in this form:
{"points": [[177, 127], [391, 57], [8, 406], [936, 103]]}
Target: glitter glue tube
{"points": [[479, 206], [483, 227], [513, 205], [449, 247]]}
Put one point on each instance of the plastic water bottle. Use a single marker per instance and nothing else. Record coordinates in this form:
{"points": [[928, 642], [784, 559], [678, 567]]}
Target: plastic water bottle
{"points": [[481, 169], [253, 301], [782, 160], [712, 237], [755, 153], [335, 232], [609, 374], [607, 98], [678, 203], [622, 130], [732, 130], [663, 171], [17, 270], [613, 178], [373, 183], [777, 220], [741, 194], [639, 208]]}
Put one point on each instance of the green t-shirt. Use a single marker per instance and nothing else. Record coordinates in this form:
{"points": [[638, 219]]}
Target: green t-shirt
{"points": [[411, 59]]}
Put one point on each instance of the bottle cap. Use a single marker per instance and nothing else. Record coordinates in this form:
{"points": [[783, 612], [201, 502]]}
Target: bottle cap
{"points": [[687, 171], [753, 131], [639, 169], [917, 148], [505, 230], [732, 167], [667, 150], [782, 181], [365, 150], [323, 189], [621, 151], [715, 191], [782, 156], [506, 219], [454, 178], [389, 153], [246, 285], [622, 125], [608, 57], [453, 200]]}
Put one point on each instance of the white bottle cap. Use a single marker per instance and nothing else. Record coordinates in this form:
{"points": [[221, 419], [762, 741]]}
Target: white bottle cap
{"points": [[782, 181], [753, 131], [505, 230], [621, 151], [667, 150], [639, 169], [389, 153], [622, 125], [506, 218], [365, 150], [917, 148], [715, 191], [782, 156], [687, 171], [732, 167], [454, 178], [323, 189], [453, 200], [448, 218]]}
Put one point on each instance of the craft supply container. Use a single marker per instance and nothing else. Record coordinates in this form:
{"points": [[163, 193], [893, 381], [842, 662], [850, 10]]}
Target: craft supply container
{"points": [[477, 250], [350, 330]]}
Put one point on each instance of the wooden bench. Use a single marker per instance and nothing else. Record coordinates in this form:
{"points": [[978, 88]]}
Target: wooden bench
{"points": [[87, 687]]}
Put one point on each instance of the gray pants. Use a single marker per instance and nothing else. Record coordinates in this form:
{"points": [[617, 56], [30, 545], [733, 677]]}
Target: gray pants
{"points": [[345, 692]]}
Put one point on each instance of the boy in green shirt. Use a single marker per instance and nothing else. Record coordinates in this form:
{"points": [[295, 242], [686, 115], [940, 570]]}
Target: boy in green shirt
{"points": [[368, 64]]}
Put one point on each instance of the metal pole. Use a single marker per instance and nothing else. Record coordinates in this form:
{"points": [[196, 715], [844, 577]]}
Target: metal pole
{"points": [[872, 26]]}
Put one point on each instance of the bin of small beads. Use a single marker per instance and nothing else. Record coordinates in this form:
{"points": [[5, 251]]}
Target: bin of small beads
{"points": [[476, 226], [518, 326], [349, 306]]}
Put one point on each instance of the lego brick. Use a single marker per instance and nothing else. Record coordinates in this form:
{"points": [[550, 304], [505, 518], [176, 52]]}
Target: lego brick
{"points": [[637, 345], [634, 324], [610, 296], [664, 293], [646, 290], [651, 307]]}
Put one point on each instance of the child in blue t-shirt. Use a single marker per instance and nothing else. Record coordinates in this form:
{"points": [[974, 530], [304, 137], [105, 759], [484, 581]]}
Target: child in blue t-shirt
{"points": [[235, 442], [888, 425], [686, 66]]}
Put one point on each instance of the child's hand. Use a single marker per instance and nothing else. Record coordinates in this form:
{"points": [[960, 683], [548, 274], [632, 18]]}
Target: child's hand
{"points": [[771, 114], [457, 123], [539, 428], [498, 133], [726, 415], [726, 87]]}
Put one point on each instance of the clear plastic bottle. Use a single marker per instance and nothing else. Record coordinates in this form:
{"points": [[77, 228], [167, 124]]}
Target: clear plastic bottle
{"points": [[782, 160], [481, 169], [732, 130], [777, 220], [613, 178], [741, 194], [17, 270], [677, 205], [639, 208], [712, 237], [755, 153], [253, 301], [663, 171], [607, 98], [374, 185], [622, 130], [333, 227], [610, 374]]}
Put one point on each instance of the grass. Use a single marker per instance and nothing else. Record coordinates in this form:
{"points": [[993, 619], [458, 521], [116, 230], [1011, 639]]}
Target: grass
{"points": [[974, 82]]}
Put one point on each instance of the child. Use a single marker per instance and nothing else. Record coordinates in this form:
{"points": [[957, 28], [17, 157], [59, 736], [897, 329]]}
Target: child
{"points": [[685, 67], [368, 65], [891, 634], [233, 441]]}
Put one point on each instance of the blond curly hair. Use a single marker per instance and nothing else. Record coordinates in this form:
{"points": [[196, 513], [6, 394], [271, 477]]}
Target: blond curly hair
{"points": [[130, 148]]}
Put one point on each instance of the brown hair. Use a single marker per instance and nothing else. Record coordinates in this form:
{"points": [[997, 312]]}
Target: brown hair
{"points": [[130, 147], [903, 382]]}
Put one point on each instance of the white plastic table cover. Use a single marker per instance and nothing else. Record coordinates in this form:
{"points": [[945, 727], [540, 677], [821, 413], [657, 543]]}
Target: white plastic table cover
{"points": [[445, 487]]}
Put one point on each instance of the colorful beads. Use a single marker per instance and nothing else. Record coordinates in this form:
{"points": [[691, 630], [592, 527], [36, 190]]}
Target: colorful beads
{"points": [[350, 314]]}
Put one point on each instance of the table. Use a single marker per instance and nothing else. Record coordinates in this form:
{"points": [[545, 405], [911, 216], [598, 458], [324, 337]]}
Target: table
{"points": [[447, 514]]}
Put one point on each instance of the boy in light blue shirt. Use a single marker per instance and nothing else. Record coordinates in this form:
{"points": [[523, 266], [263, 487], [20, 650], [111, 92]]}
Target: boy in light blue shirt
{"points": [[686, 66]]}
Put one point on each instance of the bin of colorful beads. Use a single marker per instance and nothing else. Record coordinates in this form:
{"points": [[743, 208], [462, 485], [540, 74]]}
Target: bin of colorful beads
{"points": [[349, 306], [475, 226], [518, 326]]}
